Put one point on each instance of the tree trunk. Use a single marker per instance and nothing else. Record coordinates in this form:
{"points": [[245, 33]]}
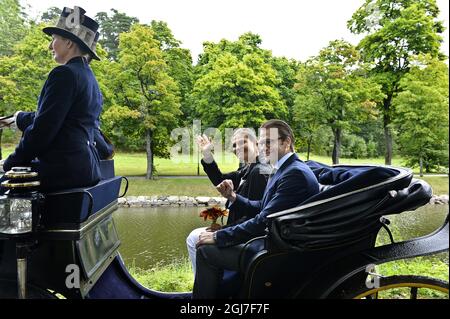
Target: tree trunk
{"points": [[148, 139], [1, 153], [421, 167], [387, 130], [336, 145], [309, 141]]}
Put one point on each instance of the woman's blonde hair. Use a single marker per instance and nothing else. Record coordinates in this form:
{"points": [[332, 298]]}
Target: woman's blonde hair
{"points": [[247, 132]]}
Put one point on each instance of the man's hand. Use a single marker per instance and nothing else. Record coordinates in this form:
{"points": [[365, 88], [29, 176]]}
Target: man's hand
{"points": [[205, 238], [205, 146], [226, 190], [7, 121]]}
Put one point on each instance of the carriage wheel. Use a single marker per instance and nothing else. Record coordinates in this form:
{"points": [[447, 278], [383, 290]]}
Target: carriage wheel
{"points": [[403, 287]]}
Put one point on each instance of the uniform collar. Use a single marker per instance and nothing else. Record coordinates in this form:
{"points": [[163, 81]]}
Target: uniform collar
{"points": [[77, 59]]}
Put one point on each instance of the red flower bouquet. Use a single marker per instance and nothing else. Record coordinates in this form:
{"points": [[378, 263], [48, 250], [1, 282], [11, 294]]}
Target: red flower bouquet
{"points": [[214, 213]]}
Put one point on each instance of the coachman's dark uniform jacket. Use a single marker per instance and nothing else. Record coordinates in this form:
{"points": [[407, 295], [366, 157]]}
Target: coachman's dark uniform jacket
{"points": [[62, 131]]}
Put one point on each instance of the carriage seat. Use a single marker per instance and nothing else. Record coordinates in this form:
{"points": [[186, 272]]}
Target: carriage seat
{"points": [[76, 205], [345, 211]]}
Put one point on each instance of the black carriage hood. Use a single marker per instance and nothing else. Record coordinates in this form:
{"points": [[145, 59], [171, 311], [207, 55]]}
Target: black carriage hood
{"points": [[346, 179], [349, 205]]}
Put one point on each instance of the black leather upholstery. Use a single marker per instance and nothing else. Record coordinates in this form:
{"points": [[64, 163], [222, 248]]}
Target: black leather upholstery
{"points": [[349, 210]]}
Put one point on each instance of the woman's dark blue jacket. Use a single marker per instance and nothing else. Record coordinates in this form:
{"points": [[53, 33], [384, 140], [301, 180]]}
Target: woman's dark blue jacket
{"points": [[61, 132]]}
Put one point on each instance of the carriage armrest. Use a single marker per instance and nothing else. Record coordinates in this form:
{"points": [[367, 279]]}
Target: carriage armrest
{"points": [[74, 206], [251, 249], [323, 187]]}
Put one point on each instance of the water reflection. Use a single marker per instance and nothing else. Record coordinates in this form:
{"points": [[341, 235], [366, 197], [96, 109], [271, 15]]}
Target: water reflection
{"points": [[157, 235]]}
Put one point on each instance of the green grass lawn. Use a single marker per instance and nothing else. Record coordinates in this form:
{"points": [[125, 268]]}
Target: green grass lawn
{"points": [[439, 184], [175, 277], [135, 163], [171, 186]]}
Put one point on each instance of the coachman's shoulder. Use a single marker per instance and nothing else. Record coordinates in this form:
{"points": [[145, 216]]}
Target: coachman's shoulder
{"points": [[62, 72]]}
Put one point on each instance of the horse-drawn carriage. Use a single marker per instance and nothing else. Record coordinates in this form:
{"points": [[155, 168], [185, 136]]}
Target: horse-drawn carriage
{"points": [[65, 243]]}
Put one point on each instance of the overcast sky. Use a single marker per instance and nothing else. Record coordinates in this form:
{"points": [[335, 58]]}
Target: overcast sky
{"points": [[295, 29]]}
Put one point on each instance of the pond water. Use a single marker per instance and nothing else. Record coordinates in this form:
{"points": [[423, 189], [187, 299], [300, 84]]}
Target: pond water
{"points": [[155, 235], [152, 236]]}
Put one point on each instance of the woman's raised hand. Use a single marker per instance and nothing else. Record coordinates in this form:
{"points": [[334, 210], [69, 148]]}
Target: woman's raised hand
{"points": [[206, 147]]}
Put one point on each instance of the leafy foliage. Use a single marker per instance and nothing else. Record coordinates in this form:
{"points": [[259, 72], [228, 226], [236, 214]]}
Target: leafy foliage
{"points": [[333, 91], [111, 26], [236, 85], [179, 62], [12, 24], [149, 84], [25, 71], [422, 114], [397, 30], [51, 15], [145, 98]]}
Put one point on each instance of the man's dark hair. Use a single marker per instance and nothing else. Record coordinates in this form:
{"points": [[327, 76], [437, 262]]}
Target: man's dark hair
{"points": [[284, 130]]}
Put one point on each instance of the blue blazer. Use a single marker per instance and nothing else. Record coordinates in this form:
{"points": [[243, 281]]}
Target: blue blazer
{"points": [[293, 183], [61, 132]]}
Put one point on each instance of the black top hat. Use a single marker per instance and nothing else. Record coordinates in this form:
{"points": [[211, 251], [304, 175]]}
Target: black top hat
{"points": [[74, 25]]}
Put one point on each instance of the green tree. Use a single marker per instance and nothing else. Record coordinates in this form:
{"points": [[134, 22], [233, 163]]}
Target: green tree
{"points": [[396, 31], [144, 86], [22, 74], [179, 62], [110, 29], [238, 93], [333, 90], [236, 84], [12, 25], [372, 132], [51, 15], [7, 92], [422, 115], [354, 146], [306, 123], [28, 68], [248, 43], [286, 73]]}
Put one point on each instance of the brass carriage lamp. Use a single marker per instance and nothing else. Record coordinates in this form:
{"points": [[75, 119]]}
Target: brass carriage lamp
{"points": [[19, 217], [15, 215], [16, 206]]}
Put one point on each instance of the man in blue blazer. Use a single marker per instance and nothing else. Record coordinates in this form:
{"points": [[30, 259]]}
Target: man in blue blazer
{"points": [[61, 134], [291, 184]]}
